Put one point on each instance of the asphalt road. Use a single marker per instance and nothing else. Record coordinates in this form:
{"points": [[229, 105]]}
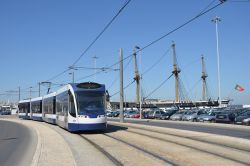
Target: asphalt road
{"points": [[194, 126], [17, 144]]}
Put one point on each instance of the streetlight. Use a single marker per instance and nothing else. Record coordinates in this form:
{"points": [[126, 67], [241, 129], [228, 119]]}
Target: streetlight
{"points": [[216, 20]]}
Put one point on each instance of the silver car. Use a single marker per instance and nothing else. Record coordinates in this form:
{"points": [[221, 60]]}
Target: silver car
{"points": [[209, 117], [178, 115], [192, 116]]}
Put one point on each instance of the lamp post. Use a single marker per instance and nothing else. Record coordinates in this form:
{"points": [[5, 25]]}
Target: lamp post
{"points": [[216, 20]]}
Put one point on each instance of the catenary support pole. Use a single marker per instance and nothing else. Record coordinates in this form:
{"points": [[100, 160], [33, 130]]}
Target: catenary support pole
{"points": [[121, 87]]}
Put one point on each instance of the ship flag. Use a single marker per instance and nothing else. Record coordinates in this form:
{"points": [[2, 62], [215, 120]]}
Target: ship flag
{"points": [[239, 88]]}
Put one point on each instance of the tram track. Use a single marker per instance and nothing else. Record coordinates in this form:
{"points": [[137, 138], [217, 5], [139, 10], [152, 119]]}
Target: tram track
{"points": [[133, 150], [192, 147], [105, 153], [143, 150], [226, 152], [133, 145], [198, 139]]}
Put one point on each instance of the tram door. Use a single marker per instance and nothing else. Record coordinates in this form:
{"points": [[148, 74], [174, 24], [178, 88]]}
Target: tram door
{"points": [[72, 110]]}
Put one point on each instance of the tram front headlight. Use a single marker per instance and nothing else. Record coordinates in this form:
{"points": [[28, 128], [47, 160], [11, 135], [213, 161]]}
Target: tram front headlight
{"points": [[83, 116], [101, 116]]}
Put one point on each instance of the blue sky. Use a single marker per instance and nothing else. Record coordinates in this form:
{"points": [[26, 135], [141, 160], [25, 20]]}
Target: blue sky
{"points": [[39, 39]]}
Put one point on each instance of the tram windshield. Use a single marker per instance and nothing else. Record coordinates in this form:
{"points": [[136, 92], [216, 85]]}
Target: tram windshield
{"points": [[90, 103]]}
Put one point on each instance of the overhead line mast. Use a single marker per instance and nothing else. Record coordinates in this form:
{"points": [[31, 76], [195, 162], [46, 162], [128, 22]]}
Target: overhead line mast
{"points": [[137, 76], [203, 77], [176, 72]]}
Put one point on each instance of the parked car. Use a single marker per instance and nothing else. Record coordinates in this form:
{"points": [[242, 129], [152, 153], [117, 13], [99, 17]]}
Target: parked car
{"points": [[145, 114], [108, 113], [137, 115], [178, 115], [225, 117], [209, 117], [192, 115], [168, 114], [243, 118], [155, 114], [130, 114], [115, 114]]}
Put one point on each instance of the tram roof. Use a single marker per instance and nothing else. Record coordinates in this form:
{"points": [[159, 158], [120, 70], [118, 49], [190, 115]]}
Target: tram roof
{"points": [[36, 99], [24, 101]]}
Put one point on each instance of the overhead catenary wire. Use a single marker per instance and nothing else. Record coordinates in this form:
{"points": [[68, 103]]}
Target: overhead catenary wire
{"points": [[143, 48], [158, 39], [170, 32], [93, 42], [165, 35], [104, 29], [117, 77], [146, 71]]}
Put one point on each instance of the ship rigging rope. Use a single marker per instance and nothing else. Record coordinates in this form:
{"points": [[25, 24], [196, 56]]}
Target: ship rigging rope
{"points": [[195, 85], [158, 61], [158, 86], [123, 88], [147, 70]]}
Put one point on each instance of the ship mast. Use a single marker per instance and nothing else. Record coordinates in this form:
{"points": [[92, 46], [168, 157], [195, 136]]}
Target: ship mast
{"points": [[203, 77], [176, 72]]}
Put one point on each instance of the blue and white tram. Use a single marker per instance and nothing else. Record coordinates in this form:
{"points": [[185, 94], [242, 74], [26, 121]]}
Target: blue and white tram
{"points": [[36, 108], [81, 107], [24, 109], [49, 108]]}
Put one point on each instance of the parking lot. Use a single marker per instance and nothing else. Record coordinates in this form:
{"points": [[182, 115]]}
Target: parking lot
{"points": [[239, 116]]}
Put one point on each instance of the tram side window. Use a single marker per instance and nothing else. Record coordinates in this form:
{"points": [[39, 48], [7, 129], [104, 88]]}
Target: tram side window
{"points": [[24, 108], [51, 106], [58, 105], [72, 110], [27, 108], [48, 106], [21, 108], [40, 106], [62, 104], [54, 105], [45, 106], [65, 104], [36, 107]]}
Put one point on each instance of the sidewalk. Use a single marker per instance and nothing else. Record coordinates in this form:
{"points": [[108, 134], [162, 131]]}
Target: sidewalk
{"points": [[51, 147]]}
